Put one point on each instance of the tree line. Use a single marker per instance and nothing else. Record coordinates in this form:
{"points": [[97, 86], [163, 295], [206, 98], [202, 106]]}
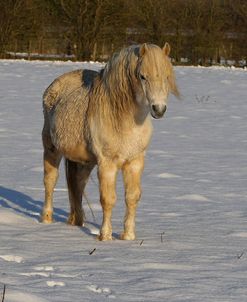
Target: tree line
{"points": [[199, 31]]}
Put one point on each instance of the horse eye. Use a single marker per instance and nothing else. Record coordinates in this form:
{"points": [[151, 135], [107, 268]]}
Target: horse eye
{"points": [[142, 77]]}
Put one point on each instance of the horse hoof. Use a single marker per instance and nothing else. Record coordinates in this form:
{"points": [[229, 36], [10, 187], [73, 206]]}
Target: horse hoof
{"points": [[102, 237], [76, 221], [125, 236], [46, 218]]}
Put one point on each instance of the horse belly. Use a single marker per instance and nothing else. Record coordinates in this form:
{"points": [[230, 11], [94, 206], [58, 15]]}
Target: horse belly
{"points": [[80, 154]]}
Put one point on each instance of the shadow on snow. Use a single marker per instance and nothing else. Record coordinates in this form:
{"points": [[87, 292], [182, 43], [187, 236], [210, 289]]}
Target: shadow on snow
{"points": [[25, 205]]}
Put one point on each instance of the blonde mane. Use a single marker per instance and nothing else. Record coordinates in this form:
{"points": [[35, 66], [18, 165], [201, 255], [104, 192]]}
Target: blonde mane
{"points": [[113, 92]]}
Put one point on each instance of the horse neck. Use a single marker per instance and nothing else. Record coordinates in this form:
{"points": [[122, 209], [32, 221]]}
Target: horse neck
{"points": [[116, 106]]}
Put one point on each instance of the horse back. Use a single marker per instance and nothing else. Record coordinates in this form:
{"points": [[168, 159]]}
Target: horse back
{"points": [[66, 84]]}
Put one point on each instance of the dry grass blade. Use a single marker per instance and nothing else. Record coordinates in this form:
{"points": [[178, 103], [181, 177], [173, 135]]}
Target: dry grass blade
{"points": [[4, 290], [90, 207], [161, 237], [240, 256], [91, 252]]}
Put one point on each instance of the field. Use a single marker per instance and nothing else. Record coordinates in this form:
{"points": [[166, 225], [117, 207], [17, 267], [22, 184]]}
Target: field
{"points": [[192, 220]]}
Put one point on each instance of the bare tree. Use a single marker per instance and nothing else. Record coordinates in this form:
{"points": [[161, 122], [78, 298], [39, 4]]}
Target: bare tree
{"points": [[199, 30], [149, 20], [10, 12]]}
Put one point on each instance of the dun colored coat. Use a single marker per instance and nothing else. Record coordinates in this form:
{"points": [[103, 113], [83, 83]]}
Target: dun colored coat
{"points": [[103, 118]]}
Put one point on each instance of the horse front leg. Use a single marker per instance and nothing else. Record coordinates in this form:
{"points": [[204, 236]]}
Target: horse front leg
{"points": [[107, 174], [132, 172]]}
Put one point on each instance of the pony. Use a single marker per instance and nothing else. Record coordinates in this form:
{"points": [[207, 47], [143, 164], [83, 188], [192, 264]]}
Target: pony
{"points": [[104, 118]]}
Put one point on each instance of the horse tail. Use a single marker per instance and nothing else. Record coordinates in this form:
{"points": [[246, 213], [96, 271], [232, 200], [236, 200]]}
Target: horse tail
{"points": [[71, 177], [76, 216], [69, 165]]}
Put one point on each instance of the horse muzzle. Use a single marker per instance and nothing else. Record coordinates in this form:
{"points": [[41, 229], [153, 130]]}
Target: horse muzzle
{"points": [[157, 111]]}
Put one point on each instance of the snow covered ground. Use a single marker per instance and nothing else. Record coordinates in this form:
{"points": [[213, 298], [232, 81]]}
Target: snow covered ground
{"points": [[191, 221]]}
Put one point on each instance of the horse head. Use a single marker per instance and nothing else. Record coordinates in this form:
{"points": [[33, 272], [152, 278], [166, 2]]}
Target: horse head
{"points": [[155, 78]]}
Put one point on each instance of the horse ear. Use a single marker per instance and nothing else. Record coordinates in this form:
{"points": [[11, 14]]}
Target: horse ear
{"points": [[167, 49], [143, 49]]}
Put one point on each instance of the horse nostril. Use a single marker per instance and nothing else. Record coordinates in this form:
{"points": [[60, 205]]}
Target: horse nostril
{"points": [[159, 109], [155, 108]]}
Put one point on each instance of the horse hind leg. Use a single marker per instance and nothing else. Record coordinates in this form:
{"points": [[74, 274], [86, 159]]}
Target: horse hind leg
{"points": [[77, 176], [52, 159], [132, 172]]}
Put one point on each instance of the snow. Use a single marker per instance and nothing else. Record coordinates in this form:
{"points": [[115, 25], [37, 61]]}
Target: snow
{"points": [[12, 258], [193, 197], [191, 221], [167, 175], [55, 283]]}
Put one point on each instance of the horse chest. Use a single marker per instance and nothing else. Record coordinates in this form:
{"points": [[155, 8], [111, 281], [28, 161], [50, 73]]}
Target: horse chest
{"points": [[126, 145], [134, 143]]}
